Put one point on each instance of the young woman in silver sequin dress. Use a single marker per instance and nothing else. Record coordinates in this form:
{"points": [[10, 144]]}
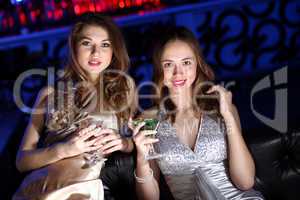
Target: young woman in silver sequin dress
{"points": [[61, 150], [204, 153]]}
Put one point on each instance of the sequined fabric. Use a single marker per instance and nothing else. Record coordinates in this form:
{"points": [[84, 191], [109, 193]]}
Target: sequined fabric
{"points": [[189, 173]]}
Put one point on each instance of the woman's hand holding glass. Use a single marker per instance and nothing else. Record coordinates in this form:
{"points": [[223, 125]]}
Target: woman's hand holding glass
{"points": [[83, 141], [110, 141], [142, 140]]}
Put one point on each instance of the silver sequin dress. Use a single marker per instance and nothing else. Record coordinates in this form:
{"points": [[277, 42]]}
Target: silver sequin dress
{"points": [[202, 173]]}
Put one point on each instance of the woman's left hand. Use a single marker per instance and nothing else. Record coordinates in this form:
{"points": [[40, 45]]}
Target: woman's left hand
{"points": [[225, 99], [111, 141]]}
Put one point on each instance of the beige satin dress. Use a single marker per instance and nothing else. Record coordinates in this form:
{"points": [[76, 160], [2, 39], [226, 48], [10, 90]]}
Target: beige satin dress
{"points": [[67, 179]]}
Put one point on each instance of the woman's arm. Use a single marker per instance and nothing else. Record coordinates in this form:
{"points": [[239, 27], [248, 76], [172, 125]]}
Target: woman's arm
{"points": [[111, 141], [241, 165], [30, 157], [147, 179], [147, 172]]}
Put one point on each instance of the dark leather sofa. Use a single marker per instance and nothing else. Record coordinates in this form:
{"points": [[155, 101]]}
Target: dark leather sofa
{"points": [[277, 160]]}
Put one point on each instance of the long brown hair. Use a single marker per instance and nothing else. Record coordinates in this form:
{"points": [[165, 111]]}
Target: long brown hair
{"points": [[115, 87], [204, 71]]}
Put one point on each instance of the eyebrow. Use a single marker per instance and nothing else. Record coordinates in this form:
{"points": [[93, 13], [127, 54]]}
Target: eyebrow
{"points": [[166, 60], [85, 37], [187, 58]]}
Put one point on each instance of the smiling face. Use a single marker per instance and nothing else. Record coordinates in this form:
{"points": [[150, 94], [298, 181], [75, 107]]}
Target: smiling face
{"points": [[179, 66], [94, 50]]}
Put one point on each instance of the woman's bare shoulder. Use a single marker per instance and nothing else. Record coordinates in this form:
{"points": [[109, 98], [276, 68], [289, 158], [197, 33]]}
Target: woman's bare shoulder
{"points": [[46, 91], [43, 95]]}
